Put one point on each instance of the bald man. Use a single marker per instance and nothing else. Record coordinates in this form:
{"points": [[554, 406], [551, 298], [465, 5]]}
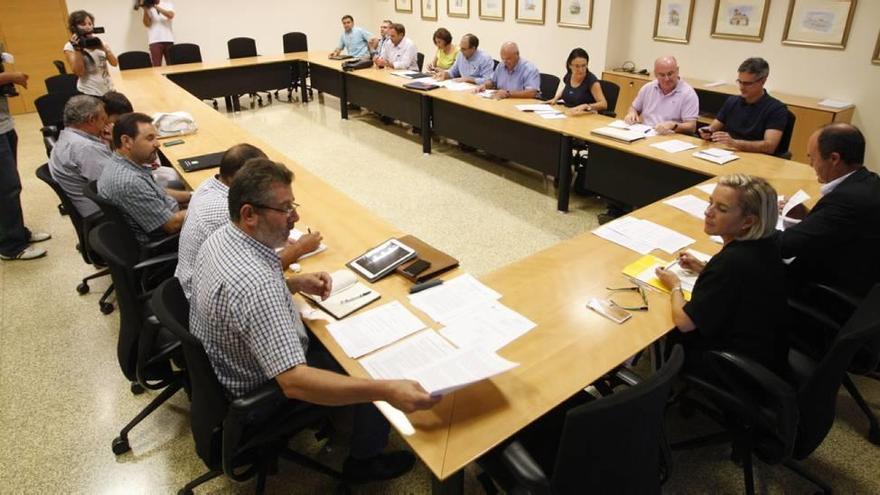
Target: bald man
{"points": [[667, 103], [514, 77]]}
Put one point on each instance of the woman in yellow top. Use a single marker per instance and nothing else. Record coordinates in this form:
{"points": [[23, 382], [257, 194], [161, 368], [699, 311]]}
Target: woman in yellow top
{"points": [[446, 51]]}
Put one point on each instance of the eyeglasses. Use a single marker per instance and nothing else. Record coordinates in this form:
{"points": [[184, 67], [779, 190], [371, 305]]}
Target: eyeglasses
{"points": [[748, 83], [639, 289], [287, 211]]}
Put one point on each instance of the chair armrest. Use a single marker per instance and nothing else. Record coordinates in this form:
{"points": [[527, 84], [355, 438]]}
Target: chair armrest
{"points": [[524, 469], [163, 245], [50, 131], [156, 261], [257, 404]]}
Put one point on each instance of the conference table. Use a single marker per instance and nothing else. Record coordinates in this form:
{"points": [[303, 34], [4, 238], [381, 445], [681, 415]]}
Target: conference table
{"points": [[571, 346]]}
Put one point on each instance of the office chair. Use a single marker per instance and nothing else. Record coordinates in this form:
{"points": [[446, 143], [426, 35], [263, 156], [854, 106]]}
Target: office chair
{"points": [[611, 91], [186, 53], [782, 151], [610, 445], [420, 60], [62, 69], [62, 84], [243, 437], [134, 60], [780, 421], [495, 63], [581, 153], [50, 108], [82, 226], [296, 42], [549, 85], [243, 48]]}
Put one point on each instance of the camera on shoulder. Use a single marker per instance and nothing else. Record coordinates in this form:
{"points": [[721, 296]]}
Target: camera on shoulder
{"points": [[7, 89], [144, 3], [89, 42]]}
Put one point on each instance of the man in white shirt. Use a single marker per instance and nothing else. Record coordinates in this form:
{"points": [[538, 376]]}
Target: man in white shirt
{"points": [[400, 52], [157, 19]]}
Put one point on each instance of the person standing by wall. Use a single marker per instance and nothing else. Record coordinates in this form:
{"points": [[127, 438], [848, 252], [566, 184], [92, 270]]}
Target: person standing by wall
{"points": [[157, 19]]}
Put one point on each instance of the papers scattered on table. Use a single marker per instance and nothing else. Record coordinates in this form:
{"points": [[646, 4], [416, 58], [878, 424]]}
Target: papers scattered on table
{"points": [[487, 93], [295, 234], [797, 198], [375, 328], [455, 85], [393, 362], [831, 103], [642, 236], [674, 145], [714, 84], [456, 296], [642, 128], [708, 188], [689, 204], [716, 155], [491, 327]]}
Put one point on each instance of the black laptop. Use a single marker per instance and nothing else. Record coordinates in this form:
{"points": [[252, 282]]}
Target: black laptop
{"points": [[201, 162]]}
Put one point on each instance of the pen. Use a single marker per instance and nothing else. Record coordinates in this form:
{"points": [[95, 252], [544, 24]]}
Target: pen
{"points": [[355, 298]]}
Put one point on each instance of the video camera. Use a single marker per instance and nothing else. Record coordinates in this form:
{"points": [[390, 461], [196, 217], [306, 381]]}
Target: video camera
{"points": [[7, 89], [88, 41], [144, 3]]}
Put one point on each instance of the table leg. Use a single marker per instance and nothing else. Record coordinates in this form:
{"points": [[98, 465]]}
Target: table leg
{"points": [[564, 175], [453, 485], [228, 101], [303, 69], [426, 124], [343, 98]]}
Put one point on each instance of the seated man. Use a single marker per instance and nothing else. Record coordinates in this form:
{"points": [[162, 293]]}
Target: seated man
{"points": [[79, 154], [242, 311], [353, 40], [837, 241], [514, 77], [116, 104], [472, 64], [377, 43], [753, 121], [209, 210], [667, 104], [151, 212], [400, 52]]}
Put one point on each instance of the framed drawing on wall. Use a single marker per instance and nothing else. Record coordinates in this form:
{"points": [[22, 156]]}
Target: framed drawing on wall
{"points": [[876, 58], [429, 10], [672, 21], [818, 23], [575, 13], [492, 10], [530, 11], [458, 8], [740, 19], [403, 5]]}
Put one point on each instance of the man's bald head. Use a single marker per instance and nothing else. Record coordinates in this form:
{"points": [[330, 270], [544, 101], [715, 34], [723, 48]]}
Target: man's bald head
{"points": [[509, 54], [666, 72]]}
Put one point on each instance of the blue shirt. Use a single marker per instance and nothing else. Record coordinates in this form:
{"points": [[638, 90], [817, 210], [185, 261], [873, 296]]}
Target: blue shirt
{"points": [[355, 42], [524, 76], [479, 66]]}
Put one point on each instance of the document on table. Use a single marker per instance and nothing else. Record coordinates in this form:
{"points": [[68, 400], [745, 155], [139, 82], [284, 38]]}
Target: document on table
{"points": [[393, 362], [535, 107], [487, 93], [708, 188], [404, 73], [640, 128], [689, 204], [551, 115], [795, 199], [455, 85], [295, 234], [716, 155], [443, 302], [491, 327], [674, 145], [643, 236], [375, 328], [611, 232]]}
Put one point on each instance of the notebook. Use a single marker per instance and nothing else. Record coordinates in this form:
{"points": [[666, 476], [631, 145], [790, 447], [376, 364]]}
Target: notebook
{"points": [[201, 162], [623, 135], [348, 295]]}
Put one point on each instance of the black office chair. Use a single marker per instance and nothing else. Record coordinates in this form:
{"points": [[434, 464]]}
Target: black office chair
{"points": [[243, 48], [495, 63], [184, 53], [611, 91], [296, 42], [62, 84], [782, 150], [134, 60], [59, 65], [145, 350], [420, 60], [780, 421], [549, 85], [610, 445], [50, 108], [82, 227], [239, 438]]}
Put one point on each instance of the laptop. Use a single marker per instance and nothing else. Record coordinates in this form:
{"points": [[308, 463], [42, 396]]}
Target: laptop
{"points": [[201, 162]]}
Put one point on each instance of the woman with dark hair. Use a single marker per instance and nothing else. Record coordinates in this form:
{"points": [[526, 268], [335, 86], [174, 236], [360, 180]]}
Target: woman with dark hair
{"points": [[88, 58], [580, 91], [446, 51]]}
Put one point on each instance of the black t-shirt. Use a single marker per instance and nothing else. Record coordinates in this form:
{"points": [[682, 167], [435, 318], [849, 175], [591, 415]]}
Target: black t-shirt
{"points": [[739, 303], [581, 94], [749, 121]]}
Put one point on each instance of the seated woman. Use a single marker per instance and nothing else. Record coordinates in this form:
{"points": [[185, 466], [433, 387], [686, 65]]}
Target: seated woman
{"points": [[580, 91], [446, 51], [738, 302]]}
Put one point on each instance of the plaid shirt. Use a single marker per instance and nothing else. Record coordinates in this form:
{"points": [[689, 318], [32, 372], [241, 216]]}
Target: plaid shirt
{"points": [[131, 187], [242, 311], [208, 211]]}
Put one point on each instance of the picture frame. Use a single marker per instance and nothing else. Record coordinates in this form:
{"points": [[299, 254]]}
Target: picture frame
{"points": [[429, 10], [819, 23], [738, 19], [492, 10], [458, 8], [403, 6], [876, 58], [530, 11], [575, 13], [672, 21]]}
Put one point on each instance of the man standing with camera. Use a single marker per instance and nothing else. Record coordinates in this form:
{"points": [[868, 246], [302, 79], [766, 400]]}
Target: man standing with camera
{"points": [[157, 19], [88, 56]]}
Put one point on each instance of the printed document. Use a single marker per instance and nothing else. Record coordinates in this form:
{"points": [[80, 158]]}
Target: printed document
{"points": [[445, 301], [689, 204], [491, 327], [375, 328]]}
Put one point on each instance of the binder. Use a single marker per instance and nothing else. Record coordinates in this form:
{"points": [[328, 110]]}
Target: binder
{"points": [[440, 261]]}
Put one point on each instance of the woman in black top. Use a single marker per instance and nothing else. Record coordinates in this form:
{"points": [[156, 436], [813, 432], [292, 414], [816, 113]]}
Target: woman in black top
{"points": [[581, 91], [738, 302]]}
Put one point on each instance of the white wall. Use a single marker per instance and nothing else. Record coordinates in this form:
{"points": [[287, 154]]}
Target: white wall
{"points": [[842, 74]]}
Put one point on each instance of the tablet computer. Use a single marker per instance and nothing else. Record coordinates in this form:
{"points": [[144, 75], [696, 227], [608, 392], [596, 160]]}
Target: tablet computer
{"points": [[382, 259]]}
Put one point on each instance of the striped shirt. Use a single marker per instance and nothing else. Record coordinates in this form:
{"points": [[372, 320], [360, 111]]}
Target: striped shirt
{"points": [[208, 211]]}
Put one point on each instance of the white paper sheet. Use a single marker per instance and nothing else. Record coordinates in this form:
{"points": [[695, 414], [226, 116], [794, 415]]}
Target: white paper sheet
{"points": [[460, 370], [674, 145], [611, 234], [551, 116], [375, 328], [689, 204], [795, 199], [832, 103], [295, 234], [708, 188], [491, 327], [639, 128], [455, 296], [651, 234], [393, 362]]}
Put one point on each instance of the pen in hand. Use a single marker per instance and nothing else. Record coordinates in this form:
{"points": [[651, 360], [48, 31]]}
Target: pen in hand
{"points": [[354, 298]]}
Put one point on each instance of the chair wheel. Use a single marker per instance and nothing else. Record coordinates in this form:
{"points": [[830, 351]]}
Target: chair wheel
{"points": [[184, 491], [62, 210], [120, 445], [874, 436], [106, 308], [136, 388], [82, 288]]}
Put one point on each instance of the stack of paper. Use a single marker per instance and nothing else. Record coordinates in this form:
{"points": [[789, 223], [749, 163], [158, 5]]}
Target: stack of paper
{"points": [[491, 327], [295, 234], [373, 329], [459, 295], [716, 155], [640, 128], [674, 145], [623, 135], [642, 236], [689, 204]]}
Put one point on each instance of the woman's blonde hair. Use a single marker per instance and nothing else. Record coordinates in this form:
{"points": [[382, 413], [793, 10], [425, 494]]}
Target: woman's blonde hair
{"points": [[756, 197]]}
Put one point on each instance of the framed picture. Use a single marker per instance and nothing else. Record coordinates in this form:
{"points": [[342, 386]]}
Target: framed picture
{"points": [[403, 5], [492, 10], [575, 13], [429, 10], [672, 22], [876, 58], [530, 11], [458, 8], [740, 19], [818, 23]]}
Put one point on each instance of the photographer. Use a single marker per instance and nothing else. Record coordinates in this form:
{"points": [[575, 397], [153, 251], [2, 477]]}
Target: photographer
{"points": [[88, 55], [157, 19]]}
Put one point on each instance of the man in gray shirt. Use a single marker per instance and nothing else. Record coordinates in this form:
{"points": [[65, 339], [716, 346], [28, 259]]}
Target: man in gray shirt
{"points": [[80, 154]]}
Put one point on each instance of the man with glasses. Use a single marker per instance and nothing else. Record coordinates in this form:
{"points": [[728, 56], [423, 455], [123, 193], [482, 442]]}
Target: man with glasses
{"points": [[377, 43], [242, 311], [753, 121], [668, 104], [472, 64]]}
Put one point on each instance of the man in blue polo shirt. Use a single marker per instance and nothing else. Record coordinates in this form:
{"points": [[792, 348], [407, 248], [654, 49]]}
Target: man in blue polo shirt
{"points": [[514, 77], [353, 40], [753, 121], [472, 64]]}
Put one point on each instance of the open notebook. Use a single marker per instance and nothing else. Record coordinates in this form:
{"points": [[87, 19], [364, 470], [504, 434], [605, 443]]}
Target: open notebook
{"points": [[348, 295]]}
